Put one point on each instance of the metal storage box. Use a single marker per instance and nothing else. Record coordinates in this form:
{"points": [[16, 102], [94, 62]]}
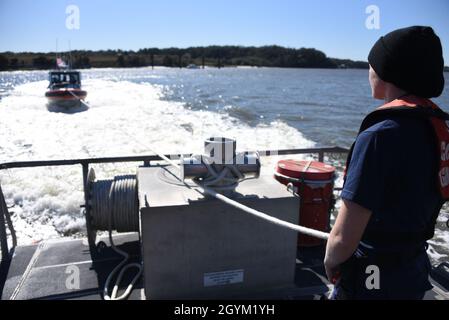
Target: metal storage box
{"points": [[196, 247]]}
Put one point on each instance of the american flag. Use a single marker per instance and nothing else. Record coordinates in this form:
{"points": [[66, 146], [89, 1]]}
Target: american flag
{"points": [[60, 63]]}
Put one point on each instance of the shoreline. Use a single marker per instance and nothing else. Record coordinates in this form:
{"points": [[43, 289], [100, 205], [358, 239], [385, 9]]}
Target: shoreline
{"points": [[218, 56], [242, 67]]}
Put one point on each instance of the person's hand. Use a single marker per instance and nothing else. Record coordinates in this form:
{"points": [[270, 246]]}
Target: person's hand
{"points": [[332, 272]]}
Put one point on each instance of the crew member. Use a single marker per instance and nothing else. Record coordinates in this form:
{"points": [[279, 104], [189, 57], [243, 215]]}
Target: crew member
{"points": [[396, 175]]}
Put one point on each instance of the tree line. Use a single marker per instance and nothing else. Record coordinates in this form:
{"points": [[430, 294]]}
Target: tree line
{"points": [[217, 56]]}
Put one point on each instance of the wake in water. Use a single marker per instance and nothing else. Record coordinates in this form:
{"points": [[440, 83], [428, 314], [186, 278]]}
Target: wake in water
{"points": [[124, 118]]}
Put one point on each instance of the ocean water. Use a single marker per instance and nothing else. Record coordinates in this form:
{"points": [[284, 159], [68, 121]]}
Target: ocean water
{"points": [[172, 111]]}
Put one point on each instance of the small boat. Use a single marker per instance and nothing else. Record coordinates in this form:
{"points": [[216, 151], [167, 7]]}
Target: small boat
{"points": [[192, 66], [64, 89]]}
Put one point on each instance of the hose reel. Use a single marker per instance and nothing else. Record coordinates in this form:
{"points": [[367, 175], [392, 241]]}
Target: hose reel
{"points": [[113, 205]]}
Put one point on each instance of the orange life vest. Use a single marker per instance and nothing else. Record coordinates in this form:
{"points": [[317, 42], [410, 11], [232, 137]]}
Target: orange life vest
{"points": [[412, 106]]}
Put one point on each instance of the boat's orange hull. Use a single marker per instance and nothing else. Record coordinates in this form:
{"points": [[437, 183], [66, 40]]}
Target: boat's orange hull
{"points": [[65, 94], [66, 98]]}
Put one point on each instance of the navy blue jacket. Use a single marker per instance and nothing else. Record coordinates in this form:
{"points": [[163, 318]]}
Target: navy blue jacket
{"points": [[392, 172]]}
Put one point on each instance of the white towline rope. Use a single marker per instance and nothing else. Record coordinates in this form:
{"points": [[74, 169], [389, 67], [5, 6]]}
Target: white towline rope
{"points": [[123, 268], [174, 164], [74, 95], [69, 91], [266, 217], [304, 230], [79, 99]]}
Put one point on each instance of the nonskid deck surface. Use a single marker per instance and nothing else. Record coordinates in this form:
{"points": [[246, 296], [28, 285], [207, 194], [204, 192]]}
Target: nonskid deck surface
{"points": [[44, 271]]}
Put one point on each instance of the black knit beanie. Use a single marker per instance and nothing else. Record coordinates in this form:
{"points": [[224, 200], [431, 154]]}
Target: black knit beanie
{"points": [[412, 59]]}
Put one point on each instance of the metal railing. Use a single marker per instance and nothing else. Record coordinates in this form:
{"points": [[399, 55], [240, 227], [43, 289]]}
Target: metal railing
{"points": [[146, 159]]}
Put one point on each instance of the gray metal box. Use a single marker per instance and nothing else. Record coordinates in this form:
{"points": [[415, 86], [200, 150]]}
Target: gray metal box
{"points": [[196, 247]]}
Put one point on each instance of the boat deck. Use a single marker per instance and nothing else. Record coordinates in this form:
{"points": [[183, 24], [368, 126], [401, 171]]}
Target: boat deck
{"points": [[41, 272]]}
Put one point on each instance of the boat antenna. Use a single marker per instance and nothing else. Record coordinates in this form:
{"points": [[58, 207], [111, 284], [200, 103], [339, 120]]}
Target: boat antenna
{"points": [[70, 56], [56, 54]]}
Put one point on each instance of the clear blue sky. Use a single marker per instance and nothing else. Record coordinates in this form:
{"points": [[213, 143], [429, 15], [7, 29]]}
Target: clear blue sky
{"points": [[337, 27]]}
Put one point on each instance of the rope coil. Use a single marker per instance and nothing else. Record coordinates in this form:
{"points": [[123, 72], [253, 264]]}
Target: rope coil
{"points": [[114, 206], [117, 198]]}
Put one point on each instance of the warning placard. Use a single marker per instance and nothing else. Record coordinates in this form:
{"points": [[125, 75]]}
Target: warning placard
{"points": [[223, 278]]}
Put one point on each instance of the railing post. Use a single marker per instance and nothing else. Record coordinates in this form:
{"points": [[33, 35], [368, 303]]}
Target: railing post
{"points": [[321, 156], [3, 235], [87, 209]]}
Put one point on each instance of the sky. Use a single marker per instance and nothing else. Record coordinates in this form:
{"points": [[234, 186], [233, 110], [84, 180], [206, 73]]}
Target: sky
{"points": [[336, 27]]}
